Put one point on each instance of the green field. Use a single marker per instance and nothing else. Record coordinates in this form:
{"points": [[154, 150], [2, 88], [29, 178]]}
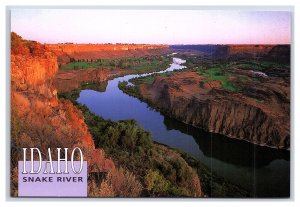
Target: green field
{"points": [[219, 74], [142, 64]]}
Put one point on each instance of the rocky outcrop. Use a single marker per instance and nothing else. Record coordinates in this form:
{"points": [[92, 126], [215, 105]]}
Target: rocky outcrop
{"points": [[39, 119], [258, 114], [98, 51], [279, 54], [229, 51], [237, 52], [67, 80]]}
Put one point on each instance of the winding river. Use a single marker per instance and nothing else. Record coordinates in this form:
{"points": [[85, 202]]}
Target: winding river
{"points": [[261, 170]]}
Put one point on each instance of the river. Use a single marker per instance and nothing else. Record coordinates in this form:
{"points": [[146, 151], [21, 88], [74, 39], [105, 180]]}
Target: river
{"points": [[261, 170]]}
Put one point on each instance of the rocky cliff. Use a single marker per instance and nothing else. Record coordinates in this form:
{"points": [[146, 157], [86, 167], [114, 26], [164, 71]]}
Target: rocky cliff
{"points": [[279, 54], [241, 51], [67, 80], [97, 51], [39, 119], [259, 113], [227, 51]]}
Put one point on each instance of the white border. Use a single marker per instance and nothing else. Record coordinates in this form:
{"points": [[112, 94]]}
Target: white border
{"points": [[4, 106]]}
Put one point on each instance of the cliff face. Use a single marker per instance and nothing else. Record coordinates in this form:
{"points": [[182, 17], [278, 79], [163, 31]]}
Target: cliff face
{"points": [[73, 48], [226, 51], [258, 114], [97, 51], [67, 80], [280, 54], [39, 119], [258, 50], [241, 51]]}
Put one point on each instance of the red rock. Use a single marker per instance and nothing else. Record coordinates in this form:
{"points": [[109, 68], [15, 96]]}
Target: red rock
{"points": [[34, 98]]}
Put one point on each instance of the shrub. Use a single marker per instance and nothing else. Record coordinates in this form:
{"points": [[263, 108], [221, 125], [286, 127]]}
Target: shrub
{"points": [[103, 190], [123, 183], [156, 183]]}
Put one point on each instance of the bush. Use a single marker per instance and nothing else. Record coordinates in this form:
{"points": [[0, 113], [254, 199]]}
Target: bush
{"points": [[125, 183], [131, 147], [156, 183]]}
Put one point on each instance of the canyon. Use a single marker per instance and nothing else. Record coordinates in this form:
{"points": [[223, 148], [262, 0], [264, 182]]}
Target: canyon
{"points": [[40, 119], [241, 91], [218, 92], [259, 114], [106, 51]]}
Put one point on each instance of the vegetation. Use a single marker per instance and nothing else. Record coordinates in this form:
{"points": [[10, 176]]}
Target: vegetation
{"points": [[259, 65], [132, 149], [19, 46], [162, 171], [133, 90], [219, 74], [137, 64], [213, 185], [117, 183]]}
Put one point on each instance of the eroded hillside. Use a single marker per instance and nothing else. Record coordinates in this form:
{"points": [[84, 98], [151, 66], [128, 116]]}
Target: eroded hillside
{"points": [[40, 119]]}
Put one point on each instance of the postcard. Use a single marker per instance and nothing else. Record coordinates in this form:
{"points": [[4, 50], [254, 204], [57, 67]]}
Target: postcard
{"points": [[150, 103]]}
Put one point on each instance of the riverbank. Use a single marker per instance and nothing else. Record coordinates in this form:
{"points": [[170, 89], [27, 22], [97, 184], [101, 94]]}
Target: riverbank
{"points": [[72, 74], [161, 170], [238, 103], [212, 185], [229, 158], [237, 157]]}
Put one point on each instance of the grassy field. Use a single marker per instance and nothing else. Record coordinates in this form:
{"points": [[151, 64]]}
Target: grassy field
{"points": [[219, 74], [144, 64]]}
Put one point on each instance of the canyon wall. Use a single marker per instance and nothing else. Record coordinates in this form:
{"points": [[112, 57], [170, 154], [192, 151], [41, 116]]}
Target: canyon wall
{"points": [[38, 118], [278, 53], [99, 51], [251, 49], [263, 120]]}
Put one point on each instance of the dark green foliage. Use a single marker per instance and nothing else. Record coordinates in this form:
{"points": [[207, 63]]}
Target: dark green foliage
{"points": [[160, 169], [129, 89], [124, 134], [138, 64], [132, 148]]}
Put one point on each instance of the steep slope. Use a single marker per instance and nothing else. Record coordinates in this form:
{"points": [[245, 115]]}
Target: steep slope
{"points": [[259, 113], [38, 118], [232, 52], [97, 51]]}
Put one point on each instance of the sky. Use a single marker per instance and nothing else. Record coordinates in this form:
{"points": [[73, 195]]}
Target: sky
{"points": [[152, 26]]}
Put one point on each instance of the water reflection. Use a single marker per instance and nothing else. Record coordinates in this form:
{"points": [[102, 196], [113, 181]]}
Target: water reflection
{"points": [[228, 150], [263, 171]]}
